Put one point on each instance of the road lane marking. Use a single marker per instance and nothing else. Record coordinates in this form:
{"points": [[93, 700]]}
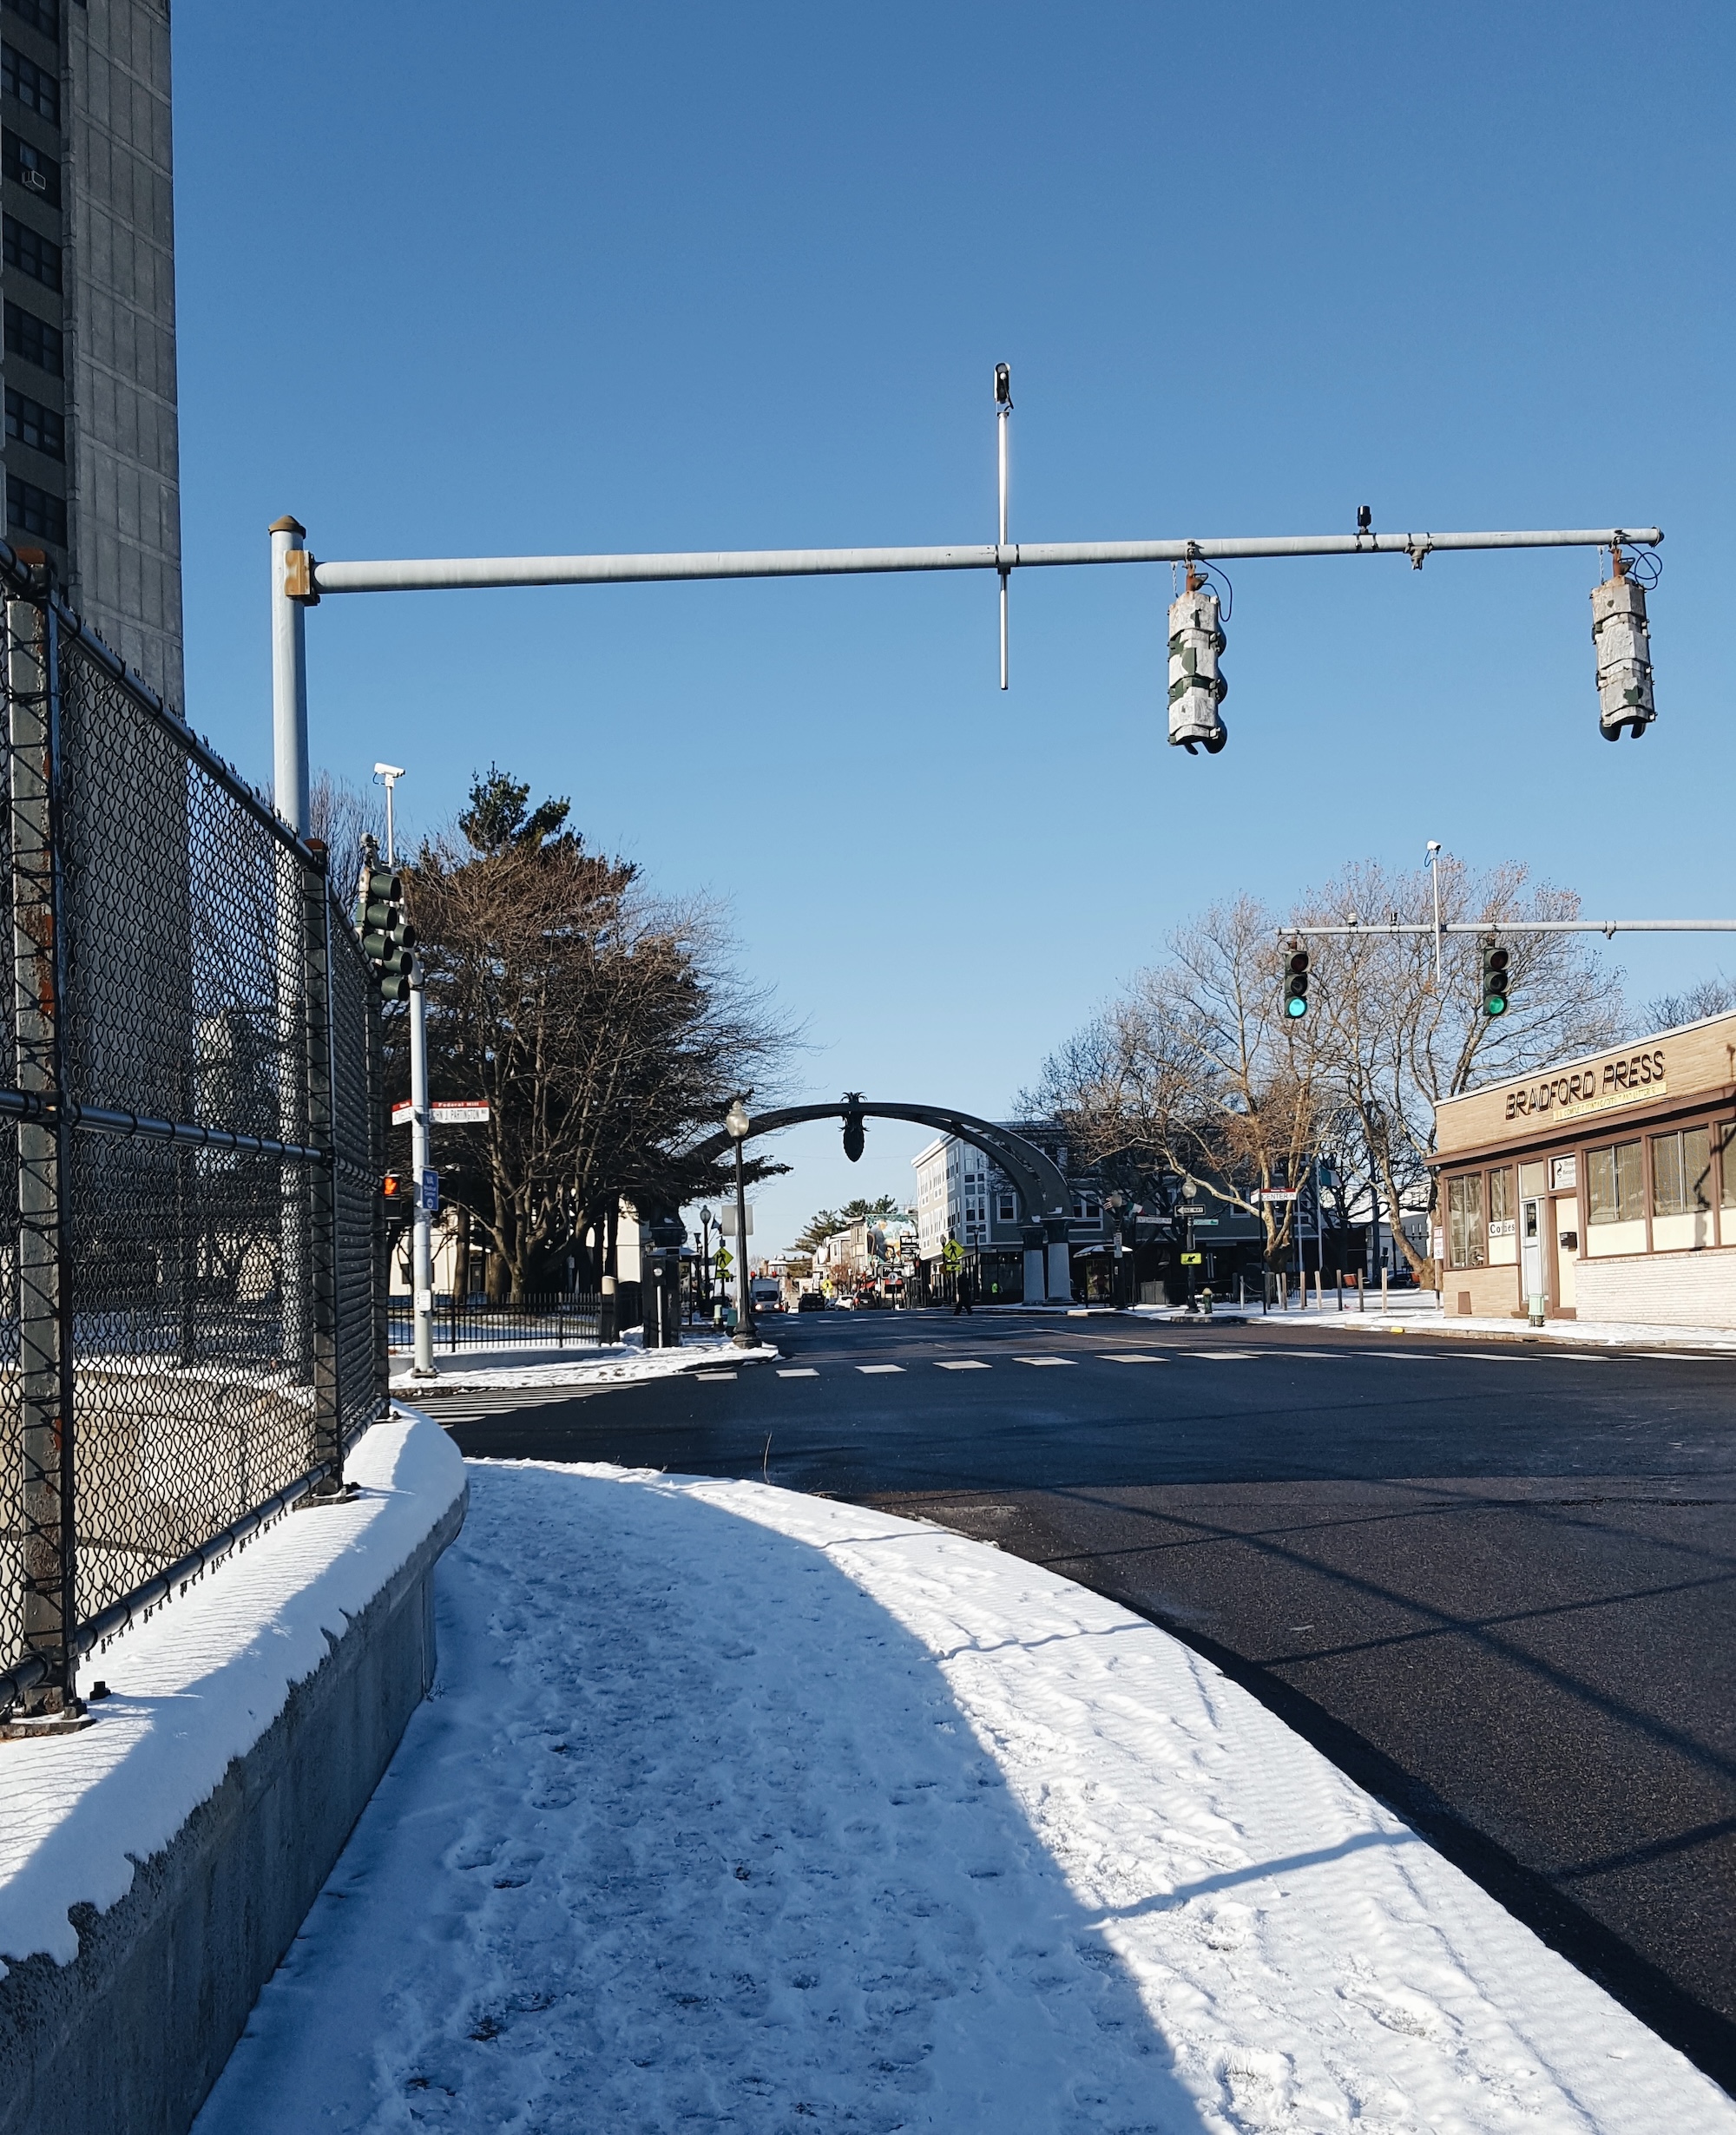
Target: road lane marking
{"points": [[803, 1371], [713, 1378], [872, 1367], [1221, 1357], [969, 1364], [1129, 1356], [1045, 1360]]}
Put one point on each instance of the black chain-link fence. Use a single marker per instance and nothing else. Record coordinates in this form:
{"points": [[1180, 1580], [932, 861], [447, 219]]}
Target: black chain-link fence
{"points": [[191, 1263]]}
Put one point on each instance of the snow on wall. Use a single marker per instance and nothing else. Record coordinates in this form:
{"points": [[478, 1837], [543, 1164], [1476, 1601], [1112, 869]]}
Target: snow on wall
{"points": [[198, 1685]]}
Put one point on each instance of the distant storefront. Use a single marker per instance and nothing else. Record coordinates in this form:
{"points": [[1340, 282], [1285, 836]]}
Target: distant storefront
{"points": [[1605, 1186]]}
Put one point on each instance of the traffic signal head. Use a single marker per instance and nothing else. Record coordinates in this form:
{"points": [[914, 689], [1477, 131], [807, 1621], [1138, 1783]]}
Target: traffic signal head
{"points": [[387, 935], [1622, 638], [1495, 993], [1296, 983], [1196, 686]]}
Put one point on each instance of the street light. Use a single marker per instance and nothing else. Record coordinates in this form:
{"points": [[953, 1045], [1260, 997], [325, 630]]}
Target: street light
{"points": [[706, 1219], [737, 1126]]}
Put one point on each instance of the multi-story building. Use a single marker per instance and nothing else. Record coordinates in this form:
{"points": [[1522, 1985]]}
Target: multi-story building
{"points": [[964, 1196], [92, 450]]}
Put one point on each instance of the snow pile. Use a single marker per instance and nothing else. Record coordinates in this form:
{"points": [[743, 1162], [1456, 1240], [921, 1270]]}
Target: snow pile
{"points": [[739, 1808], [585, 1364], [198, 1684]]}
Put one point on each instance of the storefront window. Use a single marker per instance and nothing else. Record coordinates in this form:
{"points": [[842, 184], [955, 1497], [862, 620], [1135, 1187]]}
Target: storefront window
{"points": [[1681, 1172], [1616, 1180], [1501, 1204], [1727, 1151], [1465, 1222]]}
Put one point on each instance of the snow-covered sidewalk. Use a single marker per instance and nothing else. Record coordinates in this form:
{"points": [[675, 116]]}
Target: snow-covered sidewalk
{"points": [[582, 1363], [737, 1809]]}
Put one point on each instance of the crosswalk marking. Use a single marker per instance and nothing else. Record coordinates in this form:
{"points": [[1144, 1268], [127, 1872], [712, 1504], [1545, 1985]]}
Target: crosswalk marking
{"points": [[1223, 1356], [874, 1368], [964, 1363], [1045, 1360], [1129, 1356], [803, 1371], [713, 1378]]}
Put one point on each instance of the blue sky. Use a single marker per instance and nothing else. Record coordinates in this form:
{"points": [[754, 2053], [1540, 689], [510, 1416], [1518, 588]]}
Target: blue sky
{"points": [[543, 277]]}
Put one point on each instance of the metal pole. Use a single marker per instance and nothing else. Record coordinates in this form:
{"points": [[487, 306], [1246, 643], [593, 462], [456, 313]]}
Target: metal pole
{"points": [[449, 574], [1606, 927], [322, 1185], [422, 1258], [747, 1335], [1435, 871], [1003, 410], [47, 1475], [289, 681]]}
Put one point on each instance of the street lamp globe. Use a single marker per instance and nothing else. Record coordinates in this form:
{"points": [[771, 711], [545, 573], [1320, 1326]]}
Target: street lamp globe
{"points": [[737, 1124]]}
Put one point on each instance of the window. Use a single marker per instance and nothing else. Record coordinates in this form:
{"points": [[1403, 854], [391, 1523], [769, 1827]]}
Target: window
{"points": [[31, 510], [33, 339], [33, 424], [28, 167], [1465, 1222], [43, 14], [1681, 1172], [1007, 1206], [30, 253], [1727, 1149], [1501, 1203], [1616, 1184], [34, 87]]}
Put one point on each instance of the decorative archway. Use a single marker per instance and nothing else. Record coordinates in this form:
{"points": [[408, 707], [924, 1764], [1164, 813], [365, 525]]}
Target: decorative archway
{"points": [[1040, 1180]]}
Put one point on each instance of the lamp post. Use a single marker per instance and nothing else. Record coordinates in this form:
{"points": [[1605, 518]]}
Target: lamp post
{"points": [[738, 1126], [706, 1221]]}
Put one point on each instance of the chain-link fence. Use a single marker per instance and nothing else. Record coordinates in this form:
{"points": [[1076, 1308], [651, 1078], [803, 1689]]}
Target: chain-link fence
{"points": [[191, 1253]]}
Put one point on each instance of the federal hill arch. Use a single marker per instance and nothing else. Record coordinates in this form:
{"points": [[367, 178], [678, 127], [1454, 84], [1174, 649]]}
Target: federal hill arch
{"points": [[1041, 1184]]}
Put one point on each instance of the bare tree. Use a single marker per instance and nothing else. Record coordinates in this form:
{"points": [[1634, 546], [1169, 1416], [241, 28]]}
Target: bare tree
{"points": [[1196, 1072], [1709, 996], [1388, 1043], [342, 815]]}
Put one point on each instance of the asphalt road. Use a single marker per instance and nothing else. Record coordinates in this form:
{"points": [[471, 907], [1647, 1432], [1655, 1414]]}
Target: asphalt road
{"points": [[1492, 1581]]}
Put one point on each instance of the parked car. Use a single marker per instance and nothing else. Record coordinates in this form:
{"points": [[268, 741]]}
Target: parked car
{"points": [[811, 1301]]}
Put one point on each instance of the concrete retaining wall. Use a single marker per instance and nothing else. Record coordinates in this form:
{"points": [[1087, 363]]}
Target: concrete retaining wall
{"points": [[128, 2038]]}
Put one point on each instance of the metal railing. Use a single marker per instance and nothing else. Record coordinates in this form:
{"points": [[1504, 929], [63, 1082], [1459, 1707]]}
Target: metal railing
{"points": [[482, 1322], [191, 1242]]}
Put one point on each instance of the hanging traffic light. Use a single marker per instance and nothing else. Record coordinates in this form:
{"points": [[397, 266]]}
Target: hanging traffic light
{"points": [[1494, 995], [387, 935], [1296, 983], [1196, 686], [1623, 644]]}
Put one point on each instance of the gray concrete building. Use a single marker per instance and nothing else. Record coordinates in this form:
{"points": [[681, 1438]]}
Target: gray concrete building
{"points": [[92, 449]]}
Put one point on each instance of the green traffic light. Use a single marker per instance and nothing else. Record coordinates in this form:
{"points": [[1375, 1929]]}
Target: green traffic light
{"points": [[1297, 1006], [1495, 1004]]}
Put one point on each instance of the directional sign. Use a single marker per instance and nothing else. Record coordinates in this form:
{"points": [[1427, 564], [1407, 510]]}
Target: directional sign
{"points": [[1193, 1261], [427, 1194], [1275, 1193], [447, 1111]]}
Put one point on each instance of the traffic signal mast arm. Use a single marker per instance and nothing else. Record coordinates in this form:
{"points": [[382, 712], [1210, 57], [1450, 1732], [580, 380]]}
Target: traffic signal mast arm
{"points": [[1525, 926], [451, 573]]}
